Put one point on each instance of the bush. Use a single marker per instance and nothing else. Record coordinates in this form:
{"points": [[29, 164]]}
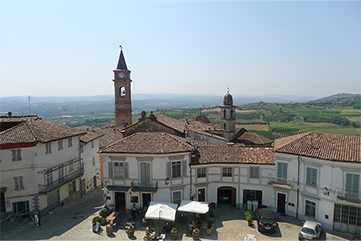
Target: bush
{"points": [[103, 213], [210, 223], [96, 219], [211, 214]]}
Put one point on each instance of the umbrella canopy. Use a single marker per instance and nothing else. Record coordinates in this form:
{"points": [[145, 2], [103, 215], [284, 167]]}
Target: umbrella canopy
{"points": [[193, 207], [160, 210]]}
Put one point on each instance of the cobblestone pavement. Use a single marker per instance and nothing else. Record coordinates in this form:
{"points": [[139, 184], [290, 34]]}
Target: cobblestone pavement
{"points": [[74, 222]]}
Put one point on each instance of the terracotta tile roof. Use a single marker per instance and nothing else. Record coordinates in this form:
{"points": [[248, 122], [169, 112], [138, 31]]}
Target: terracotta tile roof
{"points": [[345, 148], [235, 153], [254, 138], [19, 134], [90, 135], [109, 136], [18, 118], [37, 129], [149, 143]]}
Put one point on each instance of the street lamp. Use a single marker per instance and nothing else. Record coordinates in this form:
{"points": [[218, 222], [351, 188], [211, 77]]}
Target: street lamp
{"points": [[167, 181]]}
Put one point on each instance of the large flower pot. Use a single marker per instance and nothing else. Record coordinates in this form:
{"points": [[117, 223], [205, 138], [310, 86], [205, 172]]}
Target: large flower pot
{"points": [[110, 229], [174, 234], [209, 230], [130, 232], [195, 235]]}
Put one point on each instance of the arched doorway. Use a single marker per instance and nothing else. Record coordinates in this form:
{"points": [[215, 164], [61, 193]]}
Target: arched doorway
{"points": [[226, 196]]}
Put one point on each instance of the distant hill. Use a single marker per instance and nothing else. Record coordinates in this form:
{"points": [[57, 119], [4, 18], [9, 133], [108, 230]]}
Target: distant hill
{"points": [[335, 97]]}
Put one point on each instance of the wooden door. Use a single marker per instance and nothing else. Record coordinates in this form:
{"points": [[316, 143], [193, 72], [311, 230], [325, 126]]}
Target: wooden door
{"points": [[120, 201], [233, 197], [202, 195], [281, 203]]}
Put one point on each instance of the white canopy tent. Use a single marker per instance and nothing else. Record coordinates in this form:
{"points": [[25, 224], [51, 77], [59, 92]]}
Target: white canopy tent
{"points": [[193, 207], [161, 210]]}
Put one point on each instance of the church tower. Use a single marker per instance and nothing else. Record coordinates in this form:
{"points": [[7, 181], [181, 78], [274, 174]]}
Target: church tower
{"points": [[123, 101], [228, 117]]}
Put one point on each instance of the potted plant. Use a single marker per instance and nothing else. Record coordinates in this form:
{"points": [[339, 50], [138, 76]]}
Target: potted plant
{"points": [[248, 217], [211, 215], [103, 213], [110, 228], [174, 233], [195, 234], [130, 231], [96, 220], [209, 227]]}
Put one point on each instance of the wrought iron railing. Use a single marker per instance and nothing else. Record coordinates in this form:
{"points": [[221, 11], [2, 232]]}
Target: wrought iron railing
{"points": [[61, 181], [280, 181], [348, 197], [144, 185]]}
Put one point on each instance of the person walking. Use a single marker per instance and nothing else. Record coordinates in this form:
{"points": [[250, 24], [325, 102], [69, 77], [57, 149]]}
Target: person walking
{"points": [[39, 216], [36, 219]]}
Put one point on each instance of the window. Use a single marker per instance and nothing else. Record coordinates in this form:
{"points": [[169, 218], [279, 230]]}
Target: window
{"points": [[352, 183], [282, 171], [176, 169], [310, 209], [60, 145], [227, 171], [122, 91], [93, 161], [61, 173], [47, 148], [71, 167], [19, 183], [177, 197], [21, 207], [70, 142], [201, 172], [254, 172], [311, 176], [72, 187], [92, 143], [118, 169], [49, 178], [16, 155]]}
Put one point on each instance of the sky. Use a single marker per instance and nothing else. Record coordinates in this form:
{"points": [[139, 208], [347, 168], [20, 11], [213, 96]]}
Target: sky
{"points": [[70, 48]]}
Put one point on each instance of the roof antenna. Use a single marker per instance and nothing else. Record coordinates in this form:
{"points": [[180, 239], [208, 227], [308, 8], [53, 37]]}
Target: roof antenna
{"points": [[227, 90]]}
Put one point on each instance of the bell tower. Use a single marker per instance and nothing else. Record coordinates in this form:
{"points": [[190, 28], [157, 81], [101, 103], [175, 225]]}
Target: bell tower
{"points": [[228, 117], [122, 88]]}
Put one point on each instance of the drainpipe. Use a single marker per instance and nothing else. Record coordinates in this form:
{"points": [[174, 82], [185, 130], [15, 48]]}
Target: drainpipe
{"points": [[298, 184]]}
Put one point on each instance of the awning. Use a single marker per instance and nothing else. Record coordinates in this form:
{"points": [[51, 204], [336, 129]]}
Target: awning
{"points": [[116, 188], [144, 189], [193, 207], [160, 210]]}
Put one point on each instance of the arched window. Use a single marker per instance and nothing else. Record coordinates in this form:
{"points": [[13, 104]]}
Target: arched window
{"points": [[122, 91], [224, 114], [224, 126], [232, 114]]}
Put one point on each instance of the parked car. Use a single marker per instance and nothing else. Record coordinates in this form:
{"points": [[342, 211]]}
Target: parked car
{"points": [[310, 230], [266, 221], [357, 237], [224, 199]]}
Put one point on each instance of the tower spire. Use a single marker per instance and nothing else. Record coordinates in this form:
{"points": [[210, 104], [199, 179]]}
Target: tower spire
{"points": [[121, 61]]}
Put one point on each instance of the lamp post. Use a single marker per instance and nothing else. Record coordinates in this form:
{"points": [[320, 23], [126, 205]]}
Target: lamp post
{"points": [[167, 181]]}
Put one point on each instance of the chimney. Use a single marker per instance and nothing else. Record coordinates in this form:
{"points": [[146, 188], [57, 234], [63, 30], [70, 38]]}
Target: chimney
{"points": [[10, 114]]}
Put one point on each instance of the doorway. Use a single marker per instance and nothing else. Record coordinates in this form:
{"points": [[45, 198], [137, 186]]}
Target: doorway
{"points": [[201, 195], [281, 203], [120, 202], [226, 195], [146, 199]]}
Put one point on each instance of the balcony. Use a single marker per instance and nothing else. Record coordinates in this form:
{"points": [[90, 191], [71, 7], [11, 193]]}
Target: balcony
{"points": [[348, 197], [144, 187], [57, 183], [280, 182]]}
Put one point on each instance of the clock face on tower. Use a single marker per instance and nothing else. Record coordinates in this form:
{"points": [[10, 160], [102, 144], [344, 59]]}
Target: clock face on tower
{"points": [[121, 75]]}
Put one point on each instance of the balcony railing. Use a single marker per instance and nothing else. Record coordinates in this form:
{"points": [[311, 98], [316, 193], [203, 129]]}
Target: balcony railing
{"points": [[348, 197], [143, 186], [57, 183], [281, 182]]}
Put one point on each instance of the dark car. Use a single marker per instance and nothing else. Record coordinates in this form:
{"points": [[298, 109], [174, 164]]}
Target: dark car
{"points": [[266, 221]]}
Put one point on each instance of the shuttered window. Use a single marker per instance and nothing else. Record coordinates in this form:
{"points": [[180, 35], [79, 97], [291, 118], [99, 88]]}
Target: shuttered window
{"points": [[144, 173], [110, 169], [177, 197], [352, 182], [311, 176], [177, 169], [16, 155], [310, 209], [254, 172], [282, 170]]}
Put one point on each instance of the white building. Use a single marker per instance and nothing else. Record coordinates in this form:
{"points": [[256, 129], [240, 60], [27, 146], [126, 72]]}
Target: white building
{"points": [[318, 178], [40, 164]]}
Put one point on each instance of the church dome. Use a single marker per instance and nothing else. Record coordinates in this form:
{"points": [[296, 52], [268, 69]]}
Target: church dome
{"points": [[201, 118], [228, 99]]}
